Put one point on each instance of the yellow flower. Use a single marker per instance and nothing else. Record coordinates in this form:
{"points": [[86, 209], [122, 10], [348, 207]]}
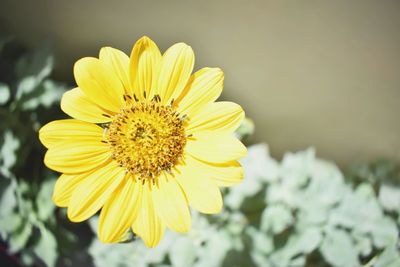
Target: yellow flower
{"points": [[147, 141]]}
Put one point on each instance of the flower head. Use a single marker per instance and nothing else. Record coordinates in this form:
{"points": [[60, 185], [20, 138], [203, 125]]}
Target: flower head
{"points": [[146, 141]]}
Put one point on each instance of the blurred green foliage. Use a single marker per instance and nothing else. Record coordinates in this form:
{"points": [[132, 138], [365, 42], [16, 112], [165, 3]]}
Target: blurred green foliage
{"points": [[302, 211], [297, 212], [28, 98]]}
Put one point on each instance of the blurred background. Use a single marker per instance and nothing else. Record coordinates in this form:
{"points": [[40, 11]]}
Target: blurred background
{"points": [[320, 84], [322, 73]]}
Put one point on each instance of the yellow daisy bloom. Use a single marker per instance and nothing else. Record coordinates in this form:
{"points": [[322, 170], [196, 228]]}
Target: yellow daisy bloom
{"points": [[146, 141]]}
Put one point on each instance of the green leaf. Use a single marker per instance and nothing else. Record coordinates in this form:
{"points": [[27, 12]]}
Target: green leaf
{"points": [[10, 224], [281, 194], [338, 249], [363, 242], [8, 153], [390, 257], [182, 252], [324, 189], [45, 206], [296, 167], [215, 250], [20, 237], [305, 241], [4, 93], [8, 199], [280, 258], [39, 63], [262, 242], [25, 205], [260, 259], [384, 232], [26, 87], [245, 129], [389, 197], [276, 218], [50, 93], [315, 214], [46, 248], [28, 258], [129, 254], [258, 164], [359, 208]]}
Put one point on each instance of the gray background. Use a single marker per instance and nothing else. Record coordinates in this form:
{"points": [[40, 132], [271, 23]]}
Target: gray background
{"points": [[322, 73]]}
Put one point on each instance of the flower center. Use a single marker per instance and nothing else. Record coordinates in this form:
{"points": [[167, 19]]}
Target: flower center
{"points": [[147, 138]]}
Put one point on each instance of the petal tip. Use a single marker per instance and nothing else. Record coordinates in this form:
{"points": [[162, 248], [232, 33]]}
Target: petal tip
{"points": [[145, 41], [105, 237], [72, 216]]}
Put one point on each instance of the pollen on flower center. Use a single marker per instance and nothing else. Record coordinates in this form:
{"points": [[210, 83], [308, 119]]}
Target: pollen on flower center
{"points": [[147, 138]]}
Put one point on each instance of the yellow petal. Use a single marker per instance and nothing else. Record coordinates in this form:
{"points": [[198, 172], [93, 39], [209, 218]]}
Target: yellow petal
{"points": [[221, 116], [98, 81], [77, 156], [175, 69], [215, 147], [91, 195], [148, 225], [222, 174], [65, 186], [202, 194], [203, 87], [77, 105], [171, 205], [144, 61], [119, 62], [56, 132], [120, 211]]}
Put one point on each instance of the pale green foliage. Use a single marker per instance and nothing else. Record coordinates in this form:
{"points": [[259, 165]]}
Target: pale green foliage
{"points": [[388, 258], [389, 197], [279, 216], [246, 129], [27, 94], [20, 216], [8, 153], [4, 93], [276, 218]]}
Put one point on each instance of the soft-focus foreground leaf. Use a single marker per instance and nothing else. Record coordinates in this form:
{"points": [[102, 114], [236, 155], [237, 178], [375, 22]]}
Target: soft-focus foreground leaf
{"points": [[4, 93], [338, 249], [390, 257], [245, 129], [46, 249], [8, 155], [51, 93], [182, 252], [8, 198], [19, 238], [389, 197], [28, 99], [44, 203], [275, 219]]}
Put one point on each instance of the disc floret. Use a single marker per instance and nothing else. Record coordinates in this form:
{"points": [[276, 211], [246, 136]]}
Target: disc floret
{"points": [[147, 138]]}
